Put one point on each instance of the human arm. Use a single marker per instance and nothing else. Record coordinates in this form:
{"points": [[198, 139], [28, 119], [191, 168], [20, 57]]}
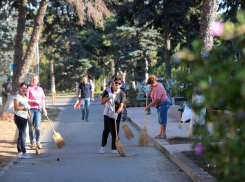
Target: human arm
{"points": [[104, 100], [4, 91], [153, 103], [43, 107], [92, 93], [78, 91], [17, 106]]}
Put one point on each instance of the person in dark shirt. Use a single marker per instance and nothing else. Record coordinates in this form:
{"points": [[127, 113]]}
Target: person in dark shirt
{"points": [[85, 87], [5, 91], [110, 94]]}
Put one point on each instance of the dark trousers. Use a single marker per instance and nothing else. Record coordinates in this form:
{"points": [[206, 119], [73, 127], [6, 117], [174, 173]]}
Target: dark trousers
{"points": [[21, 125], [109, 126]]}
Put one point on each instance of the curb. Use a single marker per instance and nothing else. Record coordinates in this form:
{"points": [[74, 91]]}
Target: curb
{"points": [[10, 164], [196, 173]]}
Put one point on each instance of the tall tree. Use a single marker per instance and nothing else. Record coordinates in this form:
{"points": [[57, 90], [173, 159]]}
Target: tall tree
{"points": [[206, 37]]}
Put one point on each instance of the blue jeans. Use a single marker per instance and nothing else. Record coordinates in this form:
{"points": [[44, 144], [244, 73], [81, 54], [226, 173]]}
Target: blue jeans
{"points": [[36, 117], [162, 111], [85, 107]]}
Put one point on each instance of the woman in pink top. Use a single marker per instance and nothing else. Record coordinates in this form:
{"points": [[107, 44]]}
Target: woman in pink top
{"points": [[161, 102], [36, 97]]}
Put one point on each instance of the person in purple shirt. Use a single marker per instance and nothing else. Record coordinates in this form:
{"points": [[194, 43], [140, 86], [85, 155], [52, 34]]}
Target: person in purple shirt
{"points": [[161, 102], [85, 87]]}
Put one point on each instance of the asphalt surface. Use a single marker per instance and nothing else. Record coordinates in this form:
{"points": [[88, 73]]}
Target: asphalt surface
{"points": [[80, 160]]}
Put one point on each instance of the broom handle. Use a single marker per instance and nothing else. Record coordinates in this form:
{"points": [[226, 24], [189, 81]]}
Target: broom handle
{"points": [[51, 125], [114, 114], [146, 111]]}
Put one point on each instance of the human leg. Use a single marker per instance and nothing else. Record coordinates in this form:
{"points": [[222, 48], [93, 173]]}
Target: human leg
{"points": [[162, 116], [106, 131], [83, 108], [38, 118], [30, 122], [4, 100], [21, 142], [87, 107]]}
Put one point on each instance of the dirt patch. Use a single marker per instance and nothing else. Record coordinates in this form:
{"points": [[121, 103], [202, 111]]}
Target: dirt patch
{"points": [[8, 149], [178, 140], [201, 161]]}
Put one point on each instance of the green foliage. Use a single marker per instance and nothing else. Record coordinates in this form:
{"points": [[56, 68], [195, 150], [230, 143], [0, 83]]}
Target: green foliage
{"points": [[8, 29], [225, 144]]}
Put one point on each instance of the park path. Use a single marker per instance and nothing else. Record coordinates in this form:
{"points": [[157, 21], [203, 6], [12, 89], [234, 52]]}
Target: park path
{"points": [[79, 160]]}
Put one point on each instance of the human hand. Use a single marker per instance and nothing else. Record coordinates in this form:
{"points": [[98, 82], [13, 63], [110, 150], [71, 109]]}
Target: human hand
{"points": [[115, 116], [37, 102], [146, 108], [45, 112], [112, 96], [27, 106]]}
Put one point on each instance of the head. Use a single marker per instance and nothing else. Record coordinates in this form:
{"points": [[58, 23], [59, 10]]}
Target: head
{"points": [[118, 82], [152, 81], [23, 88], [8, 81], [34, 80], [85, 78]]}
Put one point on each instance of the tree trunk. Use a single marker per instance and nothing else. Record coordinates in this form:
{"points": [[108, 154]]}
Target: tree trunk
{"points": [[53, 90], [112, 64], [123, 74], [146, 70], [18, 48], [205, 35], [133, 82], [166, 40], [25, 64]]}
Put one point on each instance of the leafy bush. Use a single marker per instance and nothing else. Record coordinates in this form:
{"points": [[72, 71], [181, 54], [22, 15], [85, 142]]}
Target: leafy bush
{"points": [[225, 64]]}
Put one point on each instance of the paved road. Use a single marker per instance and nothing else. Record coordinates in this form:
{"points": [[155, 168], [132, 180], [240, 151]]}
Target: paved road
{"points": [[79, 160]]}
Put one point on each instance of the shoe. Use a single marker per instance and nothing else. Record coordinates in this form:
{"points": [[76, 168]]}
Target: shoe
{"points": [[39, 145], [86, 120], [157, 136], [82, 117], [26, 156], [32, 146], [19, 156], [114, 152], [102, 150]]}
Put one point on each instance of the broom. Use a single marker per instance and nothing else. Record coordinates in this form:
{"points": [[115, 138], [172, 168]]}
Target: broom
{"points": [[118, 144], [143, 138], [59, 141], [34, 140], [127, 132]]}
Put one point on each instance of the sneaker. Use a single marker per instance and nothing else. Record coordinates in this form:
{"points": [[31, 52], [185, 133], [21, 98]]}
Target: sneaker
{"points": [[102, 150], [86, 120], [26, 156], [114, 152], [19, 156]]}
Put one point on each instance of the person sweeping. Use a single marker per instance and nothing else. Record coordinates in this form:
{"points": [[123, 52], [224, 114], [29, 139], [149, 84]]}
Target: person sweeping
{"points": [[21, 107], [114, 93], [161, 102]]}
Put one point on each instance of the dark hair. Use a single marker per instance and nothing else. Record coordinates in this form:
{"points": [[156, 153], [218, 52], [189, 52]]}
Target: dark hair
{"points": [[24, 83], [8, 79], [21, 85], [118, 78], [85, 76]]}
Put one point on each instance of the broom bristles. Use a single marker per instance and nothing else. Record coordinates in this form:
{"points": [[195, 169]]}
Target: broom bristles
{"points": [[143, 138], [127, 132], [119, 148], [59, 141]]}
